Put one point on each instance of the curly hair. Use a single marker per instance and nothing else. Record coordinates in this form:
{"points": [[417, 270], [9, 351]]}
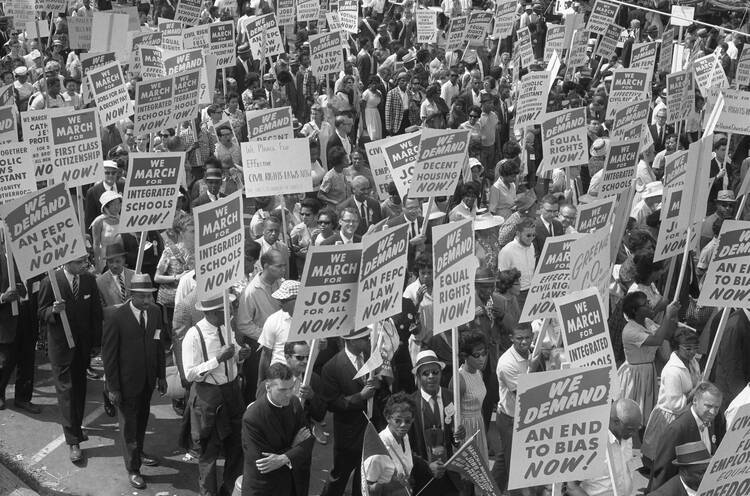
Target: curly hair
{"points": [[399, 402], [470, 340]]}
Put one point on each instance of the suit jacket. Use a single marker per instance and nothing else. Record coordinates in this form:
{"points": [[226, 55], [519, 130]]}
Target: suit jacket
{"points": [[336, 240], [542, 234], [394, 110], [109, 291], [298, 103], [239, 75], [270, 429], [84, 315], [133, 358], [203, 199], [683, 430], [374, 213], [333, 141], [673, 487], [659, 142], [8, 323], [466, 98], [341, 393], [92, 207]]}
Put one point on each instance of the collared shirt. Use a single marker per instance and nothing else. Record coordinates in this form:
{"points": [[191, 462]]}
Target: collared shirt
{"points": [[255, 306], [70, 277], [439, 400], [703, 430], [515, 255], [509, 366], [353, 358], [197, 368], [404, 99], [449, 91], [137, 314], [359, 204], [345, 143], [344, 239], [275, 334], [619, 453], [688, 491]]}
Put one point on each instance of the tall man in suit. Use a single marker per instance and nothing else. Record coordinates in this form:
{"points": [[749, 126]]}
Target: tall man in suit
{"points": [[340, 138], [347, 399], [365, 60], [692, 461], [213, 180], [368, 208], [80, 301], [242, 68], [432, 436], [659, 131], [696, 424], [546, 224], [114, 284], [412, 215], [133, 358], [112, 182]]}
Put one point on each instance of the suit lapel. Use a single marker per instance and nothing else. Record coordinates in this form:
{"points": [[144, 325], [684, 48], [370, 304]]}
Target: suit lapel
{"points": [[66, 292]]}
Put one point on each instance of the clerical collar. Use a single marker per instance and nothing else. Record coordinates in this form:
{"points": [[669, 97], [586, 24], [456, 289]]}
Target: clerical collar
{"points": [[271, 401]]}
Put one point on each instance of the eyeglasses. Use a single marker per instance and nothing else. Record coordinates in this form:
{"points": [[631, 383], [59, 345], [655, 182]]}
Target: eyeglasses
{"points": [[430, 373], [301, 358], [479, 354]]}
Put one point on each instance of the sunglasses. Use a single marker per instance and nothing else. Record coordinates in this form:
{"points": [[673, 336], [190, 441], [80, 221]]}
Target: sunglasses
{"points": [[430, 373], [479, 354], [301, 358]]}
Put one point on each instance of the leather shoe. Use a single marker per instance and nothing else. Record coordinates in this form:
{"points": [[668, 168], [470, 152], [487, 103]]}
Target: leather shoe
{"points": [[149, 461], [137, 481], [28, 406], [84, 436], [76, 455]]}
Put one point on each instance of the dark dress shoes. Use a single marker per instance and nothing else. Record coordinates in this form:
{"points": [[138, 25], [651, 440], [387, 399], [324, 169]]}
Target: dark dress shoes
{"points": [[136, 481], [149, 461], [76, 455], [28, 406]]}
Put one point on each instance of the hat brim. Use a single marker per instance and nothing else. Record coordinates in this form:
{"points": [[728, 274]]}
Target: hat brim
{"points": [[116, 254], [142, 290], [415, 370], [357, 335], [687, 464]]}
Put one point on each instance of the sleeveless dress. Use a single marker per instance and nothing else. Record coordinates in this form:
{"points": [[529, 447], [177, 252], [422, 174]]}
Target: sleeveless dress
{"points": [[472, 397]]}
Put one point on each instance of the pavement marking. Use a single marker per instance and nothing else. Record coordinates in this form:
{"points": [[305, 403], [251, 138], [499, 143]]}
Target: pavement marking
{"points": [[42, 453]]}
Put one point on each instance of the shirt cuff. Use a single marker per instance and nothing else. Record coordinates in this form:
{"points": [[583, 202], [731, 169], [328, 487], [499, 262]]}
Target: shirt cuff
{"points": [[206, 366]]}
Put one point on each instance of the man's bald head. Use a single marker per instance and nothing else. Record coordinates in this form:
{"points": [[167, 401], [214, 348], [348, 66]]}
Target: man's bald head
{"points": [[625, 418]]}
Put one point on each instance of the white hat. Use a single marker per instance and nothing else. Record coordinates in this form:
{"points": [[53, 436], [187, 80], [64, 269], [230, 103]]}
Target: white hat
{"points": [[107, 197], [652, 190], [110, 164], [485, 220], [425, 357], [21, 71]]}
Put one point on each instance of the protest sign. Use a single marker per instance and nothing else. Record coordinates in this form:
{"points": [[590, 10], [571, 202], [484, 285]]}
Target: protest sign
{"points": [[631, 113], [477, 27], [578, 55], [152, 187], [43, 230], [7, 95], [308, 10], [269, 124], [219, 245], [134, 19], [400, 155], [328, 297], [109, 33], [221, 43], [110, 93], [524, 46], [285, 12], [349, 15], [442, 154], [601, 16], [585, 332], [680, 96], [188, 12], [381, 171], [619, 168], [193, 59], [16, 171], [79, 32], [453, 271], [564, 139], [555, 40], [727, 281], [152, 39], [742, 76], [21, 11], [268, 169], [735, 116], [196, 37], [426, 26], [644, 55], [608, 43], [381, 275], [675, 169], [589, 263], [561, 427], [153, 102], [666, 51], [505, 17], [727, 473], [456, 33], [89, 62], [8, 119], [628, 85], [550, 279], [595, 215], [709, 73], [75, 148], [673, 228], [532, 99], [260, 28], [171, 38], [470, 462], [326, 56], [152, 64], [697, 179], [36, 133]]}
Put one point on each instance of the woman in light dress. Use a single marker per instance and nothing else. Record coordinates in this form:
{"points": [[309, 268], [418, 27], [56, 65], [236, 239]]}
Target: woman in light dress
{"points": [[105, 228], [371, 98], [473, 351]]}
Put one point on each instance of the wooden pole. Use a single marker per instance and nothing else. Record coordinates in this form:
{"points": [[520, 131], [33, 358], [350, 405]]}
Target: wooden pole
{"points": [[228, 318], [283, 220], [224, 82], [456, 378], [63, 314], [81, 213], [683, 265], [141, 246], [11, 267]]}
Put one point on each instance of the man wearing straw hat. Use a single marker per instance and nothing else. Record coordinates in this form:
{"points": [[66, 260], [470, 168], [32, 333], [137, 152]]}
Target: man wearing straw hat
{"points": [[133, 357], [691, 462], [216, 406]]}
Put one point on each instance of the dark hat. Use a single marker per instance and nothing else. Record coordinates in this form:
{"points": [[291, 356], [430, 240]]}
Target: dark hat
{"points": [[141, 283], [484, 276], [114, 250], [358, 334], [213, 174]]}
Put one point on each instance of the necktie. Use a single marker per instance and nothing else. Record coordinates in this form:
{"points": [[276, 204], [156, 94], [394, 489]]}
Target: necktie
{"points": [[121, 283], [75, 286], [435, 411], [363, 214], [661, 135], [142, 320]]}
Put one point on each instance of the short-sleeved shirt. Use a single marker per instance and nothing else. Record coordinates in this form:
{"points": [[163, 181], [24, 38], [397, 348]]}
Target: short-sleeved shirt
{"points": [[275, 334], [509, 366], [633, 336], [707, 254], [335, 186], [515, 255]]}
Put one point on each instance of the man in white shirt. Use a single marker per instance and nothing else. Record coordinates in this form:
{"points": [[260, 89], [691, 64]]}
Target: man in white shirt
{"points": [[625, 419], [519, 254], [226, 147], [450, 89], [276, 328], [270, 241]]}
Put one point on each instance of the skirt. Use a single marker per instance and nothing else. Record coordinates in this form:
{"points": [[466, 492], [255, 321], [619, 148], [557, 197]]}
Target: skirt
{"points": [[474, 422], [638, 383], [657, 424]]}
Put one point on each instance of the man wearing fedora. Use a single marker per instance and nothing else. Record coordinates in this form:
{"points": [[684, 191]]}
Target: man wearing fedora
{"points": [[114, 283], [691, 462], [213, 179], [433, 435], [210, 362], [725, 206], [133, 357], [80, 301]]}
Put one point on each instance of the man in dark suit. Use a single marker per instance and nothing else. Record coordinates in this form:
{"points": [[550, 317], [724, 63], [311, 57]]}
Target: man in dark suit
{"points": [[696, 424], [660, 130], [471, 96], [80, 301], [340, 138], [133, 358], [412, 215], [365, 60], [546, 224], [348, 223], [111, 182], [347, 399], [276, 440], [213, 180], [368, 208], [432, 436], [692, 461], [242, 68], [296, 90]]}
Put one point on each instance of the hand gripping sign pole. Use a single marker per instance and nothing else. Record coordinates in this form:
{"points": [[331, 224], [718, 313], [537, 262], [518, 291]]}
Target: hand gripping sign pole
{"points": [[63, 314], [11, 267]]}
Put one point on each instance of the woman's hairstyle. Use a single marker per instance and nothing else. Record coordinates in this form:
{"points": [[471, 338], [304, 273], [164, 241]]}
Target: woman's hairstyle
{"points": [[399, 402], [645, 267], [505, 279], [684, 335], [632, 302], [331, 215], [468, 341]]}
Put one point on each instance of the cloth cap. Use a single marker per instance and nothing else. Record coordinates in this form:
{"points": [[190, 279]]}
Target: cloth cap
{"points": [[287, 290], [726, 195], [213, 174], [653, 189], [109, 196], [21, 71]]}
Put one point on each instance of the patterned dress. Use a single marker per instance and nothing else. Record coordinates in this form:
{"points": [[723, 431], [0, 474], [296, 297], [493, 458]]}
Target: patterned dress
{"points": [[472, 397]]}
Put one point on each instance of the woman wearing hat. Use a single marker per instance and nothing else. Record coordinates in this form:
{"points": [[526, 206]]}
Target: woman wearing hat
{"points": [[105, 227], [487, 244]]}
